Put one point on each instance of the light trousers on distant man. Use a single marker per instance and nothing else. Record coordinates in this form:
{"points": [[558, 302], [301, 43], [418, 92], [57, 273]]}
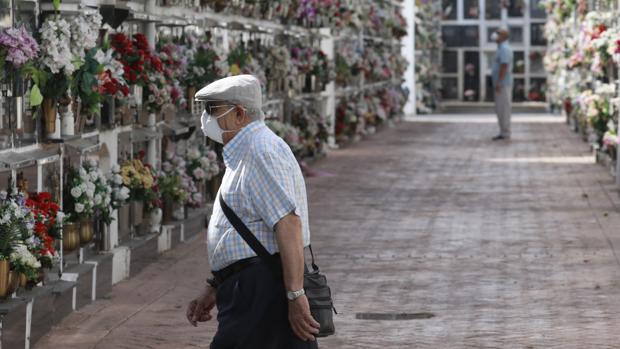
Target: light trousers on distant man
{"points": [[503, 108]]}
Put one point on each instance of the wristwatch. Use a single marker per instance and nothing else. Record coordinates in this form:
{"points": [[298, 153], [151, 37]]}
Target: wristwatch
{"points": [[295, 294]]}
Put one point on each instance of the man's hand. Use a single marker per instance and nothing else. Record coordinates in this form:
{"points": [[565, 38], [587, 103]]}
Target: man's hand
{"points": [[199, 310], [302, 322]]}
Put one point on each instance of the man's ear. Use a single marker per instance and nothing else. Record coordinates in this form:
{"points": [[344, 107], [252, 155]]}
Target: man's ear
{"points": [[241, 114]]}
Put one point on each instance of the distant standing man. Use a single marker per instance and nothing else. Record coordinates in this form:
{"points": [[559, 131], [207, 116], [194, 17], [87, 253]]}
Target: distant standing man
{"points": [[502, 81]]}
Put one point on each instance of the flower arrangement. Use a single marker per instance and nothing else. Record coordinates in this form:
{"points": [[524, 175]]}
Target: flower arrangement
{"points": [[289, 133], [16, 222], [111, 81], [47, 222], [177, 184], [18, 242], [596, 108], [278, 61], [120, 193], [312, 129], [142, 183], [238, 58], [316, 13], [56, 53], [85, 83], [18, 48], [84, 33], [89, 194], [203, 66], [202, 164], [127, 54]]}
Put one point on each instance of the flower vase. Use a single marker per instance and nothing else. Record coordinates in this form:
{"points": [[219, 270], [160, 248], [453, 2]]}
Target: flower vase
{"points": [[155, 220], [5, 273], [23, 281], [87, 231], [137, 212], [191, 92], [70, 237], [13, 281], [68, 122], [49, 115], [167, 211], [123, 220], [107, 110], [178, 212]]}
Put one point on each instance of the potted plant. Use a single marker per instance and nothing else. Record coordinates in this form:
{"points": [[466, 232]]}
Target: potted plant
{"points": [[141, 181], [48, 221], [88, 197]]}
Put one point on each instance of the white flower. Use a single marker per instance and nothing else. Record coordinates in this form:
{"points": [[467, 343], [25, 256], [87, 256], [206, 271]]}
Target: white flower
{"points": [[193, 153], [124, 193], [29, 226], [83, 187], [199, 173], [79, 208], [92, 163], [76, 192], [60, 216], [98, 199], [106, 201], [90, 193], [55, 45], [116, 168], [118, 179], [3, 195]]}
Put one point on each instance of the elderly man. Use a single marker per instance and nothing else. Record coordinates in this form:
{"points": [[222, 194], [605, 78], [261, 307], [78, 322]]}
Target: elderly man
{"points": [[502, 81], [263, 184]]}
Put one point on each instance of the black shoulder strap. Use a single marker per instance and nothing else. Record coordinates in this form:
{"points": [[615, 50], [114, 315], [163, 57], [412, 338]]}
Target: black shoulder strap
{"points": [[245, 233], [249, 238]]}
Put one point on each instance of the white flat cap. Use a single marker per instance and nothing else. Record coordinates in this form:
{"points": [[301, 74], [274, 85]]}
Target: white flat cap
{"points": [[240, 89]]}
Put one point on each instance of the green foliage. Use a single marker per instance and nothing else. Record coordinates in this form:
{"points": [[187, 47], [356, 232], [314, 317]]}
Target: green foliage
{"points": [[85, 82]]}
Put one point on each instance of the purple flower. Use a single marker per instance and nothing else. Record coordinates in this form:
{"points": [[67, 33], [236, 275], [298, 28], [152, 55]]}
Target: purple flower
{"points": [[19, 45]]}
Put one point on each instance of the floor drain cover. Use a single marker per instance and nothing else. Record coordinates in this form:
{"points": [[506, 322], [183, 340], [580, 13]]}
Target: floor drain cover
{"points": [[394, 316]]}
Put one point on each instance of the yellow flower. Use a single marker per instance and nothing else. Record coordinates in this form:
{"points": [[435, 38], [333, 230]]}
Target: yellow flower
{"points": [[234, 69]]}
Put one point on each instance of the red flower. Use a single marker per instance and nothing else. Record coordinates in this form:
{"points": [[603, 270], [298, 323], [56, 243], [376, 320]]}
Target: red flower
{"points": [[141, 155]]}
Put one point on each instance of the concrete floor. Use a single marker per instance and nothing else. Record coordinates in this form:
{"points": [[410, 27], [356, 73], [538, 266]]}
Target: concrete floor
{"points": [[506, 245]]}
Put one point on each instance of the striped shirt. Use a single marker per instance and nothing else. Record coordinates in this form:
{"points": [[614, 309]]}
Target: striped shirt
{"points": [[262, 184]]}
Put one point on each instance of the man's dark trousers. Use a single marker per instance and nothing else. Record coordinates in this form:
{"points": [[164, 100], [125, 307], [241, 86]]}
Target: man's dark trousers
{"points": [[253, 313]]}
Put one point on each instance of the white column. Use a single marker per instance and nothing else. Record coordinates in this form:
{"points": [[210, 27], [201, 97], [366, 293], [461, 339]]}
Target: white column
{"points": [[110, 139], [327, 46], [149, 28], [408, 51], [618, 106], [149, 31]]}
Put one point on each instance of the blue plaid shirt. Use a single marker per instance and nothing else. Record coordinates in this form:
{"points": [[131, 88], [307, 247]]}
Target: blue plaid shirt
{"points": [[262, 184]]}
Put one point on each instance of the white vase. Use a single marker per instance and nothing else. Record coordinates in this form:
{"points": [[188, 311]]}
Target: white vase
{"points": [[155, 220], [68, 123], [179, 212]]}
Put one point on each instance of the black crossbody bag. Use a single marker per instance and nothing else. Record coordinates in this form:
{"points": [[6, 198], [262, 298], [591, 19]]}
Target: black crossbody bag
{"points": [[315, 283]]}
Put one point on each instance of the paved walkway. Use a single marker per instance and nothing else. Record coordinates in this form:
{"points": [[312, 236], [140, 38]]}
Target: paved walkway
{"points": [[508, 245]]}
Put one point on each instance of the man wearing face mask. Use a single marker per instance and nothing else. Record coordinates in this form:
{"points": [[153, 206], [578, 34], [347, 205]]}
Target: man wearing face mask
{"points": [[264, 186], [502, 82]]}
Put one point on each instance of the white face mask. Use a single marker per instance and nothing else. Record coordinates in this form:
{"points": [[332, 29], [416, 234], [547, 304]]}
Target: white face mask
{"points": [[211, 128], [494, 37]]}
